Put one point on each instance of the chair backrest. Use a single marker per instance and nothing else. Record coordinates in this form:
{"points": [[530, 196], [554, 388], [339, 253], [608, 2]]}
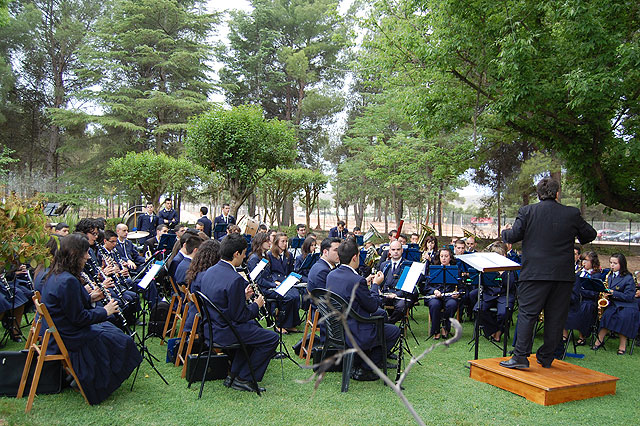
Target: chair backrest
{"points": [[205, 303], [43, 312], [330, 306]]}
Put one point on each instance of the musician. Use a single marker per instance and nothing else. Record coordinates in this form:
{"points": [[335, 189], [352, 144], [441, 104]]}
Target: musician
{"points": [[208, 254], [125, 248], [262, 228], [383, 250], [339, 231], [415, 238], [89, 229], [190, 249], [439, 301], [231, 229], [168, 216], [226, 218], [391, 269], [495, 297], [402, 238], [102, 355], [621, 316], [175, 259], [583, 308], [327, 262], [229, 291], [431, 253], [301, 230], [470, 296], [148, 222], [62, 229], [576, 257], [152, 243], [342, 281], [512, 254], [470, 244], [14, 298], [547, 231], [205, 221], [268, 280], [308, 248], [357, 231]]}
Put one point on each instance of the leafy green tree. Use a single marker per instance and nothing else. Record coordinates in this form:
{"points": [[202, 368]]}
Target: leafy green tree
{"points": [[240, 145], [153, 175], [312, 182]]}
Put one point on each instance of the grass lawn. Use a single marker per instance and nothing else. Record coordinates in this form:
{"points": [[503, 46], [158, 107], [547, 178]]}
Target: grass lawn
{"points": [[440, 390]]}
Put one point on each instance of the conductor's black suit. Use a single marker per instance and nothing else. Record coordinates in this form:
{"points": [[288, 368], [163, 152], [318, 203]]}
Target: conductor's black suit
{"points": [[548, 231]]}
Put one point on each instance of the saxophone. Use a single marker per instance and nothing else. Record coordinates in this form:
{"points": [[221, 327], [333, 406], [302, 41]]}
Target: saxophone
{"points": [[603, 301]]}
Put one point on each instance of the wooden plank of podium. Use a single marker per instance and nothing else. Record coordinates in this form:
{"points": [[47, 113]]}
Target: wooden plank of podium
{"points": [[562, 382]]}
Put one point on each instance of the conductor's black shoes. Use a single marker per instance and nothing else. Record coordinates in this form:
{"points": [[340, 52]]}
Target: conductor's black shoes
{"points": [[515, 362]]}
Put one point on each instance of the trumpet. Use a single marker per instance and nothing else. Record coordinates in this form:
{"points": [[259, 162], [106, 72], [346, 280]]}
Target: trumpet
{"points": [[603, 301]]}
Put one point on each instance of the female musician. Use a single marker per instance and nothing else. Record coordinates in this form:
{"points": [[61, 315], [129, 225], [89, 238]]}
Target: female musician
{"points": [[14, 298], [449, 303], [584, 303], [622, 314], [270, 277], [430, 254], [308, 247], [102, 355], [208, 254], [496, 297]]}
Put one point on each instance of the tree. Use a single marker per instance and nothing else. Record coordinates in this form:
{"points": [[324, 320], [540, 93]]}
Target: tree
{"points": [[241, 145], [153, 175], [312, 182]]}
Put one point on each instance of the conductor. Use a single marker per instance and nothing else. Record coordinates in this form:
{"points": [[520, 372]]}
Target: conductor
{"points": [[547, 230]]}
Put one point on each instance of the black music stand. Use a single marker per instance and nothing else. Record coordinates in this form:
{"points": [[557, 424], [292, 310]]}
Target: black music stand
{"points": [[488, 262], [220, 228], [296, 243], [167, 242]]}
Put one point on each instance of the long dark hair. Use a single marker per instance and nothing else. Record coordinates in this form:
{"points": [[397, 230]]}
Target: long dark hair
{"points": [[70, 255], [431, 238], [52, 245], [453, 259], [306, 246], [275, 248], [623, 263], [208, 254], [256, 244]]}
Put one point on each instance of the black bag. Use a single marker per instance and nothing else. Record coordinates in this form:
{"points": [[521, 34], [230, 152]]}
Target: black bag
{"points": [[316, 343], [218, 367], [158, 317], [316, 354], [12, 365]]}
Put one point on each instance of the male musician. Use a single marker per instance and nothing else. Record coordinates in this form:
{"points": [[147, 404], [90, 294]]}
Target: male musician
{"points": [[577, 250], [229, 291], [125, 248], [301, 230], [471, 293], [152, 243], [415, 238], [128, 301], [231, 229], [89, 228], [547, 231], [391, 269], [357, 231], [168, 216], [471, 244], [205, 221], [342, 281], [327, 262], [148, 222], [339, 231], [225, 218], [262, 228], [190, 248], [62, 229], [383, 250]]}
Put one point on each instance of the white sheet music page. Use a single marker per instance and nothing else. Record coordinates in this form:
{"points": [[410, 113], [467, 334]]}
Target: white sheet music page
{"points": [[259, 268], [151, 274], [412, 277], [488, 262], [289, 282]]}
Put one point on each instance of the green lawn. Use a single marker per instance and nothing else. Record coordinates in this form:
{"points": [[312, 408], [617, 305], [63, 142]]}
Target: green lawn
{"points": [[440, 390]]}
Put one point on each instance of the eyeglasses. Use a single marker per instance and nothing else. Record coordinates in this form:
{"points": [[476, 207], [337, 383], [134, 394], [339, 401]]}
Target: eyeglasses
{"points": [[95, 233]]}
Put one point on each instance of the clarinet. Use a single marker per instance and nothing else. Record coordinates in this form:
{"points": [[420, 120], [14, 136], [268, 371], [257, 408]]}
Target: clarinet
{"points": [[116, 276], [6, 286], [433, 296], [108, 298], [97, 271], [264, 313]]}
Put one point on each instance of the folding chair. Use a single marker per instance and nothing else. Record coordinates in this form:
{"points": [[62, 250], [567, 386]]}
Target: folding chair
{"points": [[176, 299], [305, 352], [190, 337]]}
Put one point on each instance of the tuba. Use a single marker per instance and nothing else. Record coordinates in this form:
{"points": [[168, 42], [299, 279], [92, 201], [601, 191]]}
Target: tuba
{"points": [[425, 231], [372, 257], [372, 235]]}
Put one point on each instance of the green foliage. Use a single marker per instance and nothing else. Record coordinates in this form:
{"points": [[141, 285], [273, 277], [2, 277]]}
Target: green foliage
{"points": [[5, 159], [4, 12], [22, 234], [240, 145], [152, 175]]}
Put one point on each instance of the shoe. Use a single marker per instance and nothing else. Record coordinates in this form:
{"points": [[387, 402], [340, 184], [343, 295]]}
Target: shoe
{"points": [[293, 330], [622, 351], [436, 336], [392, 356], [228, 381], [581, 342], [544, 365], [245, 385], [596, 347], [515, 362], [362, 375]]}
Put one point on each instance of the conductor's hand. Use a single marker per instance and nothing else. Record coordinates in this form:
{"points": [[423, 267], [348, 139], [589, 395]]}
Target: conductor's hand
{"points": [[248, 292], [260, 301], [507, 226], [437, 293], [112, 307]]}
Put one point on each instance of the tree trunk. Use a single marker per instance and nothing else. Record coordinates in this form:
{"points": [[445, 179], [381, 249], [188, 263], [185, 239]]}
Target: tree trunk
{"points": [[252, 205], [318, 227], [557, 175], [440, 214], [358, 209], [386, 215]]}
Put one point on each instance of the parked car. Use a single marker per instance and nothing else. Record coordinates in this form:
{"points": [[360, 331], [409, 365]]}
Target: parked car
{"points": [[624, 237], [611, 236], [606, 232], [635, 238]]}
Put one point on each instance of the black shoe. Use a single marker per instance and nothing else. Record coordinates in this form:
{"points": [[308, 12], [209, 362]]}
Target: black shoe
{"points": [[244, 385], [392, 356], [515, 362], [228, 381], [362, 375], [544, 364]]}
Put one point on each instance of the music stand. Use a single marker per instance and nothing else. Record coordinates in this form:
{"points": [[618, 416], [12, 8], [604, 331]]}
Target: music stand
{"points": [[488, 262], [167, 242], [296, 243], [220, 228]]}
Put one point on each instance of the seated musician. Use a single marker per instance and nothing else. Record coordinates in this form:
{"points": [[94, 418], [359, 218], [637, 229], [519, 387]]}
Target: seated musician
{"points": [[577, 250], [440, 300], [190, 249], [62, 229], [414, 238], [289, 304], [339, 231], [308, 248], [383, 250], [402, 238], [89, 229], [341, 281], [431, 253], [125, 248], [14, 298], [357, 231], [208, 255], [168, 216], [470, 243], [225, 287], [301, 231], [151, 244], [495, 297], [622, 315], [205, 221], [225, 218], [328, 261], [512, 254], [231, 229], [175, 259], [391, 269], [470, 296], [584, 303], [147, 222]]}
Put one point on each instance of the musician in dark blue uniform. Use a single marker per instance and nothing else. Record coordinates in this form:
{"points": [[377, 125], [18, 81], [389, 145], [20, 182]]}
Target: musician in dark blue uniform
{"points": [[342, 281], [431, 253], [308, 248], [622, 314], [125, 248], [391, 269], [102, 355], [327, 262], [584, 303], [226, 218], [230, 291], [208, 255], [168, 216], [440, 301], [205, 221], [339, 231], [148, 221], [190, 249]]}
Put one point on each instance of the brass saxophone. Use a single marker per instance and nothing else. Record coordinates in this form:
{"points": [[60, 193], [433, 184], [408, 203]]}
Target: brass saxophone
{"points": [[603, 301]]}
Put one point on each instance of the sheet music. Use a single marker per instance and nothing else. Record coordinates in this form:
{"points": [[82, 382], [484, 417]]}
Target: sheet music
{"points": [[151, 274], [410, 277], [289, 282], [259, 268], [487, 262]]}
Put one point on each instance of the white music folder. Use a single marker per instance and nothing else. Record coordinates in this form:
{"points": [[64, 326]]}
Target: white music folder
{"points": [[489, 262]]}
